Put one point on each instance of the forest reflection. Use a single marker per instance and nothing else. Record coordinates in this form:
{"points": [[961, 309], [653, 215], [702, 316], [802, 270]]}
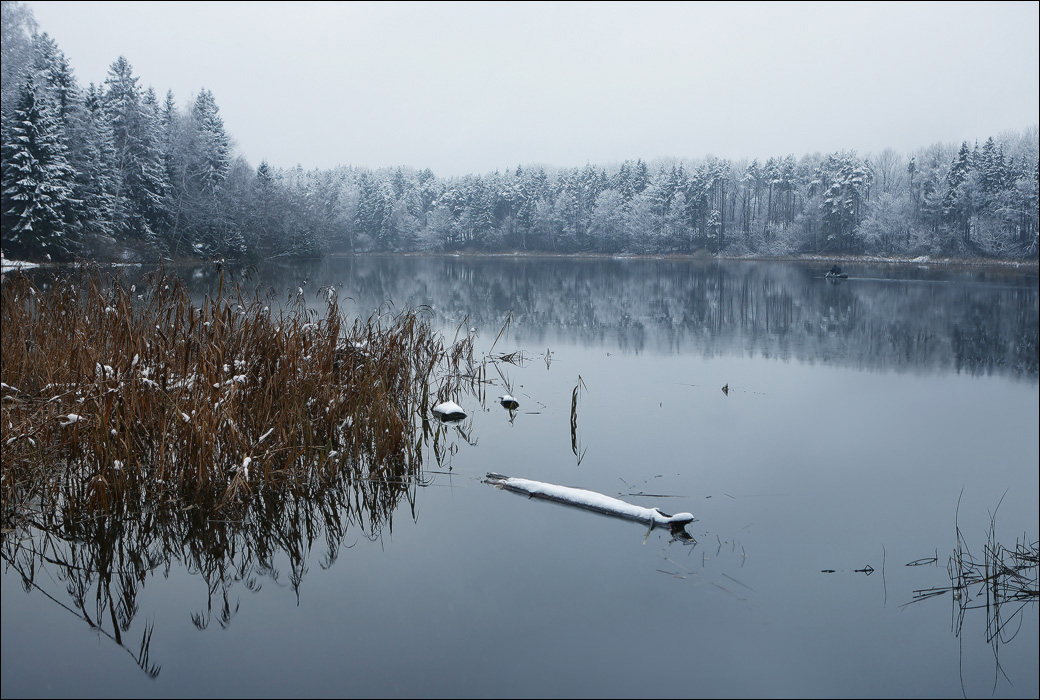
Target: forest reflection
{"points": [[895, 317], [104, 563]]}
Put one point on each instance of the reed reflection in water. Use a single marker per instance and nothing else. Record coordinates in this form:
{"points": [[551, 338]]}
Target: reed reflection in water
{"points": [[141, 431]]}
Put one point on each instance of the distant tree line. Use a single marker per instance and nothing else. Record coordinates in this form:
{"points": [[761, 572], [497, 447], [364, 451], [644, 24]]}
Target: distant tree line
{"points": [[111, 171]]}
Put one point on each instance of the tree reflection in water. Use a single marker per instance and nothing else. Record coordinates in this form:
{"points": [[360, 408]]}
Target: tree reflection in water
{"points": [[885, 317]]}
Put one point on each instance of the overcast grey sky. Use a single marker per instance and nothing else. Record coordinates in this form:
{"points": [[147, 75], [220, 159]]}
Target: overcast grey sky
{"points": [[473, 87]]}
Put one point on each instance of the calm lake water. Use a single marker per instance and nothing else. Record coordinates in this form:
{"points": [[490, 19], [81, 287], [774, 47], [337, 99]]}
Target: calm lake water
{"points": [[865, 420]]}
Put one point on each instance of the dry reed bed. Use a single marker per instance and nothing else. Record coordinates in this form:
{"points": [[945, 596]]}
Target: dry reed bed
{"points": [[124, 396]]}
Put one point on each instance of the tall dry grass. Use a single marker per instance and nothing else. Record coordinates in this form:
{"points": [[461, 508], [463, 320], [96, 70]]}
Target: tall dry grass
{"points": [[129, 396]]}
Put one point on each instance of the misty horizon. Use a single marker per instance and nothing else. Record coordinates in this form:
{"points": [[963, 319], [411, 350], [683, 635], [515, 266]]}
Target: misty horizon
{"points": [[467, 91]]}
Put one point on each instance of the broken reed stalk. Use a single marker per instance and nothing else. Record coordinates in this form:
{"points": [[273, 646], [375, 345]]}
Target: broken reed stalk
{"points": [[1002, 577], [575, 446], [118, 395]]}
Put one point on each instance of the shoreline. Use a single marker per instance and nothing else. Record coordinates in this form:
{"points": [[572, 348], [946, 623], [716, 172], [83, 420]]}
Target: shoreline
{"points": [[10, 265], [921, 260]]}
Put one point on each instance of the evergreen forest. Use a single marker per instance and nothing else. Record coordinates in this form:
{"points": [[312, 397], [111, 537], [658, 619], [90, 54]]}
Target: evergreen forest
{"points": [[116, 172]]}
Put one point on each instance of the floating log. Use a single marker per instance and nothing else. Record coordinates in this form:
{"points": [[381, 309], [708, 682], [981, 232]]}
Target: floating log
{"points": [[596, 502]]}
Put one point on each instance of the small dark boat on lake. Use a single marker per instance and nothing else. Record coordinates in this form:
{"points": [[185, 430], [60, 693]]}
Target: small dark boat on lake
{"points": [[835, 273]]}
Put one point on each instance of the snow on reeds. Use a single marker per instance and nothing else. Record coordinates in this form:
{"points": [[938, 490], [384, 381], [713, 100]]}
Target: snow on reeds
{"points": [[119, 396]]}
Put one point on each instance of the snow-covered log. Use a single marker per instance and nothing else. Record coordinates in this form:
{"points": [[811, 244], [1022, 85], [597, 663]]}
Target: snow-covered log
{"points": [[597, 502], [7, 265]]}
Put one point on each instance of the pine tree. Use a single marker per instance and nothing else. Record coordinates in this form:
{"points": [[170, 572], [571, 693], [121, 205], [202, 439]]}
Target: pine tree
{"points": [[845, 183], [17, 27], [198, 161], [158, 214], [957, 199], [640, 176], [911, 170], [211, 146], [264, 221], [37, 193], [139, 179], [372, 215], [993, 173], [54, 76], [607, 224], [95, 186], [169, 122], [622, 182]]}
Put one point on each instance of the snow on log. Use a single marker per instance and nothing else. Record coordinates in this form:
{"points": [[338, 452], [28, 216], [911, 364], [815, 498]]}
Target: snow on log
{"points": [[8, 265], [449, 410], [509, 402], [590, 500]]}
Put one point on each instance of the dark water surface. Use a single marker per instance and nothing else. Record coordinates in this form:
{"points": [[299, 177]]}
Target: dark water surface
{"points": [[858, 415]]}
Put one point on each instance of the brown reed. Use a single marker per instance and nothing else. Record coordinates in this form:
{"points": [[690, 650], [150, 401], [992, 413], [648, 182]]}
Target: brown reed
{"points": [[127, 396]]}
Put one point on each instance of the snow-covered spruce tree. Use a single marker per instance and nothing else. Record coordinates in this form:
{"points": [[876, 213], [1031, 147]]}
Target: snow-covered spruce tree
{"points": [[95, 165], [207, 162], [54, 76], [153, 126], [845, 182], [608, 222], [212, 153], [372, 210], [197, 161], [957, 198], [37, 192], [16, 29], [139, 206], [264, 219], [169, 125], [174, 137]]}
